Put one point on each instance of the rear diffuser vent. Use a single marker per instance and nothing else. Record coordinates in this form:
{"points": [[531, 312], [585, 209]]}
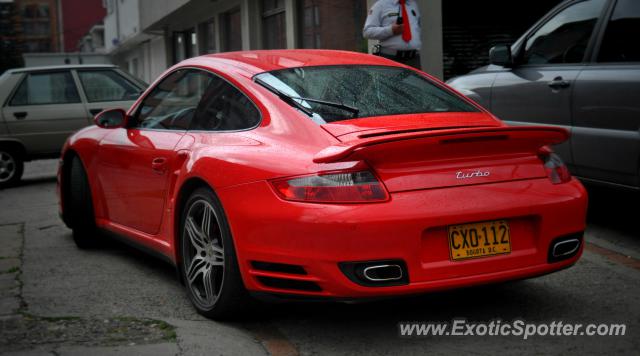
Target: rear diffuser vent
{"points": [[291, 284], [278, 267]]}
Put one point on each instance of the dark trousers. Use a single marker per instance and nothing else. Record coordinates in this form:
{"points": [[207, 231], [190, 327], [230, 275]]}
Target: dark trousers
{"points": [[413, 62]]}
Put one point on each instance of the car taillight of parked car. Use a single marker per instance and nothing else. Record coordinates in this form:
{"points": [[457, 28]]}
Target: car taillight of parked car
{"points": [[556, 170], [340, 187]]}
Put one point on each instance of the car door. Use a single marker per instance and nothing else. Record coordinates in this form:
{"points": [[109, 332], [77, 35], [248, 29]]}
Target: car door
{"points": [[538, 89], [135, 164], [44, 110], [106, 88], [606, 135]]}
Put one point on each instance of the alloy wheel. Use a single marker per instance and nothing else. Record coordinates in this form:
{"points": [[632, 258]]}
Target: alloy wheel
{"points": [[7, 167], [203, 253]]}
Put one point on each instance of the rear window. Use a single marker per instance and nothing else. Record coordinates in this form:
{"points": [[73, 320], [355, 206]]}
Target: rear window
{"points": [[372, 90]]}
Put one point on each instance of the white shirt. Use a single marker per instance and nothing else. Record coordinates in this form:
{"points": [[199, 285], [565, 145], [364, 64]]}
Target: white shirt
{"points": [[384, 14]]}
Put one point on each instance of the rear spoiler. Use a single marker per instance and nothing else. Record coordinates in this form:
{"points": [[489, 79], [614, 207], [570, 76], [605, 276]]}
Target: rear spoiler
{"points": [[544, 135]]}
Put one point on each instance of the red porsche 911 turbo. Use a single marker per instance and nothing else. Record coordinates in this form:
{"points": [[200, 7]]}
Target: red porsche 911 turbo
{"points": [[321, 174]]}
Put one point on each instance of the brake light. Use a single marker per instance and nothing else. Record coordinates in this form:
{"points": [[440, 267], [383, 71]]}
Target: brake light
{"points": [[557, 171], [347, 187]]}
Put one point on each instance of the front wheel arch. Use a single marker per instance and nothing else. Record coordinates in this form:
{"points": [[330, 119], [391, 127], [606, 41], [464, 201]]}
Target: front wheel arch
{"points": [[67, 158]]}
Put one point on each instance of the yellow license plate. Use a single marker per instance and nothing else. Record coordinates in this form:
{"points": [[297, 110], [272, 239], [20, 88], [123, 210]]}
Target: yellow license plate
{"points": [[477, 240]]}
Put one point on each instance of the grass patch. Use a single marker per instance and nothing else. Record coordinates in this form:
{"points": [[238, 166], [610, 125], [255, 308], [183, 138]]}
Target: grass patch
{"points": [[11, 270]]}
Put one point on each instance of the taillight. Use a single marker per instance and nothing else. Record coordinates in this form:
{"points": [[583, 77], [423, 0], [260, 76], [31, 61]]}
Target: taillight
{"points": [[557, 171], [347, 187]]}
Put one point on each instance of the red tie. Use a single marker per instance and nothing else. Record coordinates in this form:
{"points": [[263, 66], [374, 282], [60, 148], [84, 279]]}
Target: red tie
{"points": [[406, 32]]}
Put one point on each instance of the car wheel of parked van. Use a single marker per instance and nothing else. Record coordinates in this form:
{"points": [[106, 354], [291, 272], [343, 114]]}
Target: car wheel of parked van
{"points": [[11, 167]]}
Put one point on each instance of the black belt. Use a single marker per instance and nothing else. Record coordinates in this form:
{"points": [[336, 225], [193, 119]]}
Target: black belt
{"points": [[411, 54]]}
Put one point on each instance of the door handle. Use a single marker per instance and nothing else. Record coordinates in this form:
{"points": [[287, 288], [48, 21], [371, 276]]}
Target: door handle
{"points": [[20, 115], [559, 83], [95, 112], [159, 164]]}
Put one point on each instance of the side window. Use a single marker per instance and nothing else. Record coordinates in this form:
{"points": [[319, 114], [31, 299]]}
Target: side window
{"points": [[107, 85], [46, 88], [564, 38], [619, 43], [173, 102], [225, 108]]}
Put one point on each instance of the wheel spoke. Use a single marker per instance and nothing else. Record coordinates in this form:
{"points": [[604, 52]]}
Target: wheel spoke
{"points": [[197, 265], [206, 221], [195, 235], [218, 251], [209, 289]]}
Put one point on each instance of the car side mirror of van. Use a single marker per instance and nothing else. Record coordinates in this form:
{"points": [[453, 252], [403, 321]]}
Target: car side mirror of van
{"points": [[111, 119], [500, 55]]}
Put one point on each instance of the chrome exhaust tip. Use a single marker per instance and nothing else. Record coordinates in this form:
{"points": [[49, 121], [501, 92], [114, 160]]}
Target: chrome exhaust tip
{"points": [[565, 248], [383, 273], [380, 273]]}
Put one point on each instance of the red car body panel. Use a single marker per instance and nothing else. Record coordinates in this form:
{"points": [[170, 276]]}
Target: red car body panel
{"points": [[415, 156]]}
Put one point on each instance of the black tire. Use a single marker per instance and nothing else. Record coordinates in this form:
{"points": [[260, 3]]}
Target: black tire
{"points": [[11, 167], [80, 206], [233, 300]]}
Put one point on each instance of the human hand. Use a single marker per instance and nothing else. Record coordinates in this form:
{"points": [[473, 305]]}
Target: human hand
{"points": [[397, 29]]}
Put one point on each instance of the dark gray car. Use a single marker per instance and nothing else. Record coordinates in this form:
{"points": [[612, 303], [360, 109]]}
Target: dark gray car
{"points": [[579, 68]]}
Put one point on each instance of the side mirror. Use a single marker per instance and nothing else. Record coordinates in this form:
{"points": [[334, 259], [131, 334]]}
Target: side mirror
{"points": [[111, 119], [500, 55]]}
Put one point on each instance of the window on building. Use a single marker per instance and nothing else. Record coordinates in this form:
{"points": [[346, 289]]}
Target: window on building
{"points": [[207, 33], [622, 31], [179, 47], [231, 30], [46, 88], [565, 37], [185, 45], [37, 28], [274, 31], [172, 103], [192, 43], [107, 85], [332, 24]]}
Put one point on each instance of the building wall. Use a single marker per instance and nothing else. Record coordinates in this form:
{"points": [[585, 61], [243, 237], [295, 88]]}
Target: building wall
{"points": [[78, 16], [51, 59], [469, 34], [456, 34], [122, 22], [40, 25], [10, 37]]}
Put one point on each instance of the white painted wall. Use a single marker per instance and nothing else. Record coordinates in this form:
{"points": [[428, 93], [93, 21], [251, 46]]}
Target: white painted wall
{"points": [[57, 58], [121, 23]]}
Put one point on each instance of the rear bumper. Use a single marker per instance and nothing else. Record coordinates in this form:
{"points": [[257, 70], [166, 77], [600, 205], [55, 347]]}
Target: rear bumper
{"points": [[410, 227]]}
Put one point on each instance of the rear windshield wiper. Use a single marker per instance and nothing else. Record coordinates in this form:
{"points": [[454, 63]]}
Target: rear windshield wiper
{"points": [[293, 101]]}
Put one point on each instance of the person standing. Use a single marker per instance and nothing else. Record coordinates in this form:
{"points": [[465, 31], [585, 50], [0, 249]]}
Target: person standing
{"points": [[396, 26]]}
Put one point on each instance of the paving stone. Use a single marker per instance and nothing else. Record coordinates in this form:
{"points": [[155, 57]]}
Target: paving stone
{"points": [[9, 305], [9, 265], [10, 240]]}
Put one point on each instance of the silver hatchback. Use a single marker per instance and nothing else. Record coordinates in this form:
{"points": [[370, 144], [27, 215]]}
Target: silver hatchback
{"points": [[42, 106], [579, 68]]}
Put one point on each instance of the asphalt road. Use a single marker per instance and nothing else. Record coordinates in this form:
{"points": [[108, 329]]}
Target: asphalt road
{"points": [[58, 299]]}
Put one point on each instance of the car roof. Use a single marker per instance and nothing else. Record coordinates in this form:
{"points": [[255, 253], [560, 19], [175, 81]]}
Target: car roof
{"points": [[250, 63], [66, 66]]}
